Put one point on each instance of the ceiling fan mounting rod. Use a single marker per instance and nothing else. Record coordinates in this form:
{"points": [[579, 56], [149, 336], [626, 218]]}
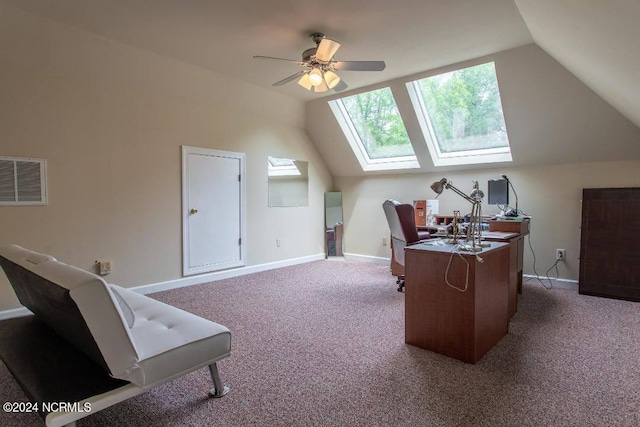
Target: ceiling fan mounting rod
{"points": [[317, 37]]}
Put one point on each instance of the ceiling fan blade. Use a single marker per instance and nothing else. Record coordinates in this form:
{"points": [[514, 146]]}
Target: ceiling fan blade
{"points": [[340, 86], [271, 58], [290, 78], [326, 49], [359, 65]]}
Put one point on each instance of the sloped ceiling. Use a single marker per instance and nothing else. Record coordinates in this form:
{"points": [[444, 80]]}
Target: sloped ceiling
{"points": [[224, 35], [596, 41]]}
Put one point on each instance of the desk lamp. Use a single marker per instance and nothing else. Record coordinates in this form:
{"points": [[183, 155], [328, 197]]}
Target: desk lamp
{"points": [[474, 231]]}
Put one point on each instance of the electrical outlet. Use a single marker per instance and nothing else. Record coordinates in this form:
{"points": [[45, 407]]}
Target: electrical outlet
{"points": [[384, 241], [561, 254], [104, 267], [278, 242]]}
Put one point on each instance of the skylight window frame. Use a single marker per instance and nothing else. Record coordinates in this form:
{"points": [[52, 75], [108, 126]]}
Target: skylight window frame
{"points": [[456, 158], [288, 168], [355, 142]]}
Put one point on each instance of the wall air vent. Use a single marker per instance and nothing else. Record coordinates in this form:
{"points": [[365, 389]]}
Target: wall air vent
{"points": [[22, 181]]}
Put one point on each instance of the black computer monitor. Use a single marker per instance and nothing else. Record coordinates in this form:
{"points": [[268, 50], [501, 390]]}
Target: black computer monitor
{"points": [[498, 192]]}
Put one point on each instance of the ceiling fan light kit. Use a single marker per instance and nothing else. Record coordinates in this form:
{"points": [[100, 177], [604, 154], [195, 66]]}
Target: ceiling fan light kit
{"points": [[322, 87], [326, 49], [315, 77], [305, 81], [320, 66], [331, 78]]}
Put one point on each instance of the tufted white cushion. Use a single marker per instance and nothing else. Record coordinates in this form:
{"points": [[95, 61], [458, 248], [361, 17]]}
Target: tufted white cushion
{"points": [[170, 340]]}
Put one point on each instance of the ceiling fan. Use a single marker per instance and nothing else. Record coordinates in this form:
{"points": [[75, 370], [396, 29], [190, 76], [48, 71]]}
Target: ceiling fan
{"points": [[320, 66]]}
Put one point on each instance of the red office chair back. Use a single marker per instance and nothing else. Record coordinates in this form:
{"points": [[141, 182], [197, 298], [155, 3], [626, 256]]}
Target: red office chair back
{"points": [[402, 224]]}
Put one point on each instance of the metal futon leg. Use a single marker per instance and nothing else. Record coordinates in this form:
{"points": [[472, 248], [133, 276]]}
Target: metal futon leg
{"points": [[218, 389]]}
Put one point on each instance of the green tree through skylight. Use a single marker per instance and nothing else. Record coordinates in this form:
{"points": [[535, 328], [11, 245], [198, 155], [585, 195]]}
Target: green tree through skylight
{"points": [[464, 109], [378, 123]]}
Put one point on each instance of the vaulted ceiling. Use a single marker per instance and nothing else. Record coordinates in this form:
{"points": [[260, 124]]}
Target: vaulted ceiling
{"points": [[598, 41]]}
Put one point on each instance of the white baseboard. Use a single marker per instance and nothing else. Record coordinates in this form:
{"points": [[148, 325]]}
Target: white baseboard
{"points": [[225, 274], [556, 283], [367, 258]]}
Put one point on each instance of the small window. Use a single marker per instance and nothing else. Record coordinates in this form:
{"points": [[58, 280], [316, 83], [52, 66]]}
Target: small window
{"points": [[461, 117], [22, 181], [373, 126]]}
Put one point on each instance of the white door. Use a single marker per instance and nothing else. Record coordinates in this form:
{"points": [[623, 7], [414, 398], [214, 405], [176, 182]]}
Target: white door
{"points": [[212, 210]]}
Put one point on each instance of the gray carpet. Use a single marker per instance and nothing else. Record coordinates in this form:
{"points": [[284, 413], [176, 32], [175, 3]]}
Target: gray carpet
{"points": [[322, 344]]}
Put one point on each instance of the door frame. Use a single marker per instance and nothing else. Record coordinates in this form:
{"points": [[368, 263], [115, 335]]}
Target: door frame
{"points": [[186, 151]]}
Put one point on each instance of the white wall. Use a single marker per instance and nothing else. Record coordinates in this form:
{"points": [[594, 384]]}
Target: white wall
{"points": [[110, 120]]}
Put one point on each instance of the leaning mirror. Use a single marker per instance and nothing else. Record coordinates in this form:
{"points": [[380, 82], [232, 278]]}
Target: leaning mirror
{"points": [[288, 182], [333, 223]]}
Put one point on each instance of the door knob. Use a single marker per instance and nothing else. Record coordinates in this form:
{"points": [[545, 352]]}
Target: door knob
{"points": [[193, 211]]}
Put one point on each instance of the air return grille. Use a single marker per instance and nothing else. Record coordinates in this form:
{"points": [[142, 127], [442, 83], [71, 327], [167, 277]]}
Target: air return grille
{"points": [[22, 181]]}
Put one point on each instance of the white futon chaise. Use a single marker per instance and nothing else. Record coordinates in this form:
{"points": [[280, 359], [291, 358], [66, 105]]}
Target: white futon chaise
{"points": [[91, 344]]}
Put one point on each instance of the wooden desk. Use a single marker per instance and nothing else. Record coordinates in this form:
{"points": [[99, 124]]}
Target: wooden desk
{"points": [[516, 250], [462, 325], [521, 227], [517, 243]]}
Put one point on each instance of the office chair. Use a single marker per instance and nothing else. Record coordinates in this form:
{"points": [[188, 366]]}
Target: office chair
{"points": [[402, 224]]}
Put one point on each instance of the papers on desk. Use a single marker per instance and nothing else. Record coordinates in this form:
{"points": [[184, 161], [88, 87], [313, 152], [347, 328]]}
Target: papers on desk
{"points": [[503, 235], [433, 242]]}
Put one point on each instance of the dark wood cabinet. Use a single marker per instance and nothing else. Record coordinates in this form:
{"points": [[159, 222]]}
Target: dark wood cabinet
{"points": [[610, 244]]}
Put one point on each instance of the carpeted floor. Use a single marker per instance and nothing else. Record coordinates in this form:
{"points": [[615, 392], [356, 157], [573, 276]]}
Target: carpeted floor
{"points": [[322, 344]]}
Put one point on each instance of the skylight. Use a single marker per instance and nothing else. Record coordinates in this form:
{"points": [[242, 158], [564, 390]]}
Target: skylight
{"points": [[373, 126], [282, 167], [460, 114]]}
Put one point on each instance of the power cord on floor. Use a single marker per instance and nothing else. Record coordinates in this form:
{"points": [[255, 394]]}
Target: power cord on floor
{"points": [[555, 264], [534, 266]]}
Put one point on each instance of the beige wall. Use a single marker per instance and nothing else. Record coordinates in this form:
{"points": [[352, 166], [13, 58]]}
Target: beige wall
{"points": [[551, 195], [110, 120]]}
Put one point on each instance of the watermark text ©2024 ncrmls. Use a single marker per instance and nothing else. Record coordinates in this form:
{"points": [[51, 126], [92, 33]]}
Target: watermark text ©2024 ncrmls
{"points": [[46, 407]]}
